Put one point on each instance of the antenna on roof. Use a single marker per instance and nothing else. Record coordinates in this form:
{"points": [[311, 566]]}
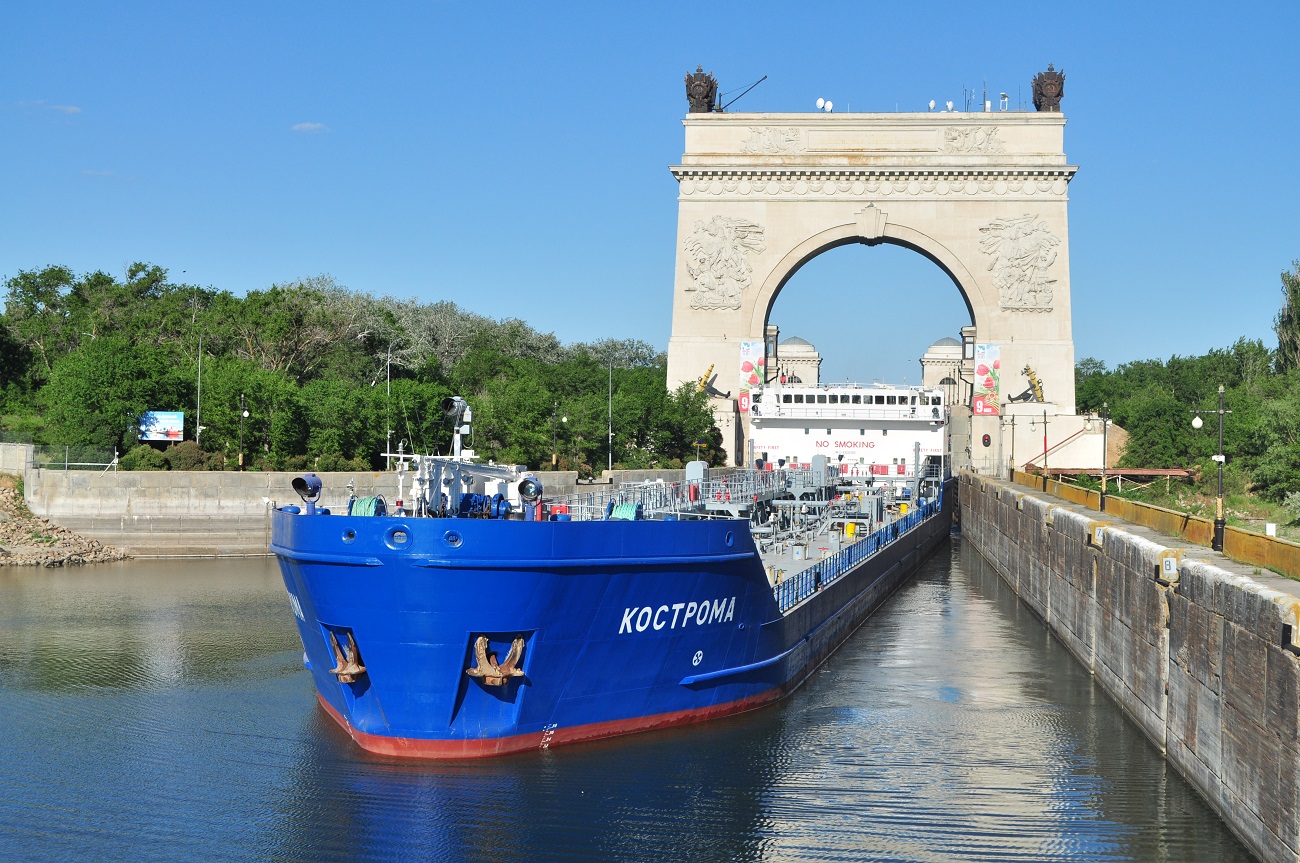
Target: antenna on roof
{"points": [[746, 90]]}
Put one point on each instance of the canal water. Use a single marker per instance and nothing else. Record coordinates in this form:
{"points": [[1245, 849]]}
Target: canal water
{"points": [[158, 711]]}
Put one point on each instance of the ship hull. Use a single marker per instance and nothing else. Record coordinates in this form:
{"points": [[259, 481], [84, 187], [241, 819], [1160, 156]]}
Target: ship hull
{"points": [[626, 626]]}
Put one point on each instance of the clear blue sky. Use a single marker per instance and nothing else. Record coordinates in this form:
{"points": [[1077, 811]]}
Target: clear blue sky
{"points": [[513, 157]]}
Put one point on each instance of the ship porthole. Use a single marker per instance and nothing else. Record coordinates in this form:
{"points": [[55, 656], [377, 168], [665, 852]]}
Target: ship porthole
{"points": [[397, 537], [730, 539], [349, 536], [452, 539]]}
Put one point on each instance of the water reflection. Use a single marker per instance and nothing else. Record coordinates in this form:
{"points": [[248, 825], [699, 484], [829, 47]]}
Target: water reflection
{"points": [[159, 711]]}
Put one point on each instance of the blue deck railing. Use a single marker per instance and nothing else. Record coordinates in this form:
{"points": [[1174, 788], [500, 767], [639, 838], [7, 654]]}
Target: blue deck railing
{"points": [[804, 584]]}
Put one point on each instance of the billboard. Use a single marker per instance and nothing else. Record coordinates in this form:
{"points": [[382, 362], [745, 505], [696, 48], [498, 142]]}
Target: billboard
{"points": [[162, 425], [988, 381], [752, 372]]}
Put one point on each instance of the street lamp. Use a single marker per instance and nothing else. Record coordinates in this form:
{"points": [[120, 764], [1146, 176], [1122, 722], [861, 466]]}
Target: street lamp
{"points": [[1219, 523], [1104, 416], [1105, 421], [555, 434], [243, 415]]}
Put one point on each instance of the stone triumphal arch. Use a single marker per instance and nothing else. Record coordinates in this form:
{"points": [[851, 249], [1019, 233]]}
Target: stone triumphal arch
{"points": [[982, 195]]}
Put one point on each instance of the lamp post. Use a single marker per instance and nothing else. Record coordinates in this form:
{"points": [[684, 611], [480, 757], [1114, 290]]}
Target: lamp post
{"points": [[1219, 522], [555, 434], [1105, 421], [243, 415], [1013, 441], [1044, 443], [611, 412]]}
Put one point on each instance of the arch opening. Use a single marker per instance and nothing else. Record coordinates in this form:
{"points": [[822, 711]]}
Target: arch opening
{"points": [[870, 309]]}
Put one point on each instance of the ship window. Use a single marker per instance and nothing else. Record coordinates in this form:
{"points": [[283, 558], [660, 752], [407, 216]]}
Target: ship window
{"points": [[862, 432], [857, 400], [786, 398], [828, 431], [835, 399], [891, 400], [798, 398], [934, 400], [880, 400], [913, 399], [821, 399], [758, 397], [805, 431]]}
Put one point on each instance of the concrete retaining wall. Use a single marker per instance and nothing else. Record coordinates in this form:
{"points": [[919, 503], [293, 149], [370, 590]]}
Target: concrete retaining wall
{"points": [[1200, 653], [214, 512]]}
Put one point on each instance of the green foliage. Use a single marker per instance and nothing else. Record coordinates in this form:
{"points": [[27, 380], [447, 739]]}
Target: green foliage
{"points": [[186, 455], [1292, 504], [1287, 322], [142, 457], [1155, 401], [330, 378]]}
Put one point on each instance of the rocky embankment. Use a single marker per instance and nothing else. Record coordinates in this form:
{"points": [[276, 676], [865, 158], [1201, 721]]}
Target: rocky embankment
{"points": [[27, 540]]}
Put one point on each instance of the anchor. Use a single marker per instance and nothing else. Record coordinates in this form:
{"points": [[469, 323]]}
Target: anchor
{"points": [[487, 669], [347, 665]]}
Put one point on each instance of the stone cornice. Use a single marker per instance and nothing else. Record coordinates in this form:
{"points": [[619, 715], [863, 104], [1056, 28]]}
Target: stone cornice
{"points": [[750, 172], [741, 182]]}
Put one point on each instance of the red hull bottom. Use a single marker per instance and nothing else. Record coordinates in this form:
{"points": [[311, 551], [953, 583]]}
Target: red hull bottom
{"points": [[412, 747]]}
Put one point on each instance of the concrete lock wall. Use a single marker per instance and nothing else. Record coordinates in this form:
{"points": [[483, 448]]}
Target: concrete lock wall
{"points": [[1203, 659]]}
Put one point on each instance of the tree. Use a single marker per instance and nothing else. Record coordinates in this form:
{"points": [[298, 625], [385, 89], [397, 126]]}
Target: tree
{"points": [[98, 392], [1287, 322]]}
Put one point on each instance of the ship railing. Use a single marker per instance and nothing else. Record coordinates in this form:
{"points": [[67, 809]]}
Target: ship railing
{"points": [[653, 498], [728, 490], [829, 569]]}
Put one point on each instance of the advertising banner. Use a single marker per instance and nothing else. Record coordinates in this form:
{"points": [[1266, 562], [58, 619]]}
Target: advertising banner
{"points": [[162, 425], [752, 371], [988, 381]]}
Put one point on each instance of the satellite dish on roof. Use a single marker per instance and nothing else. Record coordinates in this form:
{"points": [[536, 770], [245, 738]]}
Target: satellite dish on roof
{"points": [[931, 104], [820, 104], [829, 106]]}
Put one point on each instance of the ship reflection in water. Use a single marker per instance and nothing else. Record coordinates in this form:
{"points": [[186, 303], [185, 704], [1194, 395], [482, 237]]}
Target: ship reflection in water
{"points": [[159, 711]]}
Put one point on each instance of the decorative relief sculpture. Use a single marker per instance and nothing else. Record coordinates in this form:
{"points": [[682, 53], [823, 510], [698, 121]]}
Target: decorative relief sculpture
{"points": [[715, 258], [1049, 87], [980, 139], [769, 142], [701, 90], [1023, 252]]}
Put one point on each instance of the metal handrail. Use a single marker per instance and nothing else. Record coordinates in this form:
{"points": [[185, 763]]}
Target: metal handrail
{"points": [[805, 583]]}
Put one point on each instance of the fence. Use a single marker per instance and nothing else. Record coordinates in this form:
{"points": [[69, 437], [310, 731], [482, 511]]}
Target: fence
{"points": [[73, 458], [802, 585], [1276, 554]]}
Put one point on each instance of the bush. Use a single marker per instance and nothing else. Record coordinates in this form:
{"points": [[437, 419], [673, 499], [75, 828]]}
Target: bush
{"points": [[1292, 505], [143, 457], [185, 455], [335, 462]]}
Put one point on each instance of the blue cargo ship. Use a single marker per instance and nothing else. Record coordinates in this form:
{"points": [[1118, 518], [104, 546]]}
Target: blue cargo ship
{"points": [[480, 617]]}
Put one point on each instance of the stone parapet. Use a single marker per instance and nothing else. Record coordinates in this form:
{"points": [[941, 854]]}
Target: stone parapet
{"points": [[1199, 650]]}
